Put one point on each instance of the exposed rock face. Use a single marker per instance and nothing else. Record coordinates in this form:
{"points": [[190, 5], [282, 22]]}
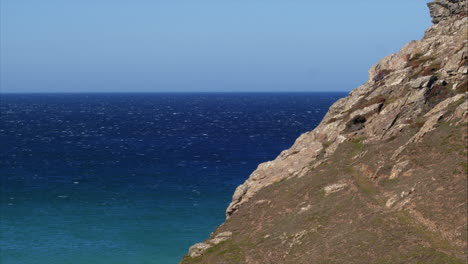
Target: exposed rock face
{"points": [[443, 9], [334, 188], [199, 248], [371, 150], [398, 90]]}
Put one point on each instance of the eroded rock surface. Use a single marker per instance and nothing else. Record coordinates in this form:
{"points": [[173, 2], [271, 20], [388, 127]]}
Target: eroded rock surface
{"points": [[334, 188], [444, 9], [198, 249], [401, 87], [390, 159]]}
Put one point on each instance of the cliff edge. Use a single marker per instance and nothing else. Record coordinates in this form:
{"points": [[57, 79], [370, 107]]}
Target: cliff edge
{"points": [[382, 179]]}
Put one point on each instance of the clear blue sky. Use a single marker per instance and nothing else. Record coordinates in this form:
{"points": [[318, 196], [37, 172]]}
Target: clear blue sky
{"points": [[200, 45]]}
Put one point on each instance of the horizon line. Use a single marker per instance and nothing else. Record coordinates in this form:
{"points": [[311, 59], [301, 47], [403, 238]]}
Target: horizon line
{"points": [[171, 92]]}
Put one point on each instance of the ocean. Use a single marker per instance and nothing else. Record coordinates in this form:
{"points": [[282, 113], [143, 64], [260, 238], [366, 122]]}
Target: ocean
{"points": [[133, 178]]}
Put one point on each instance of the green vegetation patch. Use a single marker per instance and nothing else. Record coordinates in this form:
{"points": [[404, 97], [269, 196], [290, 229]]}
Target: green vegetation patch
{"points": [[229, 251], [358, 144]]}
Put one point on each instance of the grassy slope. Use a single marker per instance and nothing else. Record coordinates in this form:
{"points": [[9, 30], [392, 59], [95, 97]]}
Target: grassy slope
{"points": [[354, 225]]}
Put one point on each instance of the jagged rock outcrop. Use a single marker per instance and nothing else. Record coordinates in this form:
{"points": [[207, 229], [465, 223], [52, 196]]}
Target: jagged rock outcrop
{"points": [[378, 149], [443, 9], [398, 90]]}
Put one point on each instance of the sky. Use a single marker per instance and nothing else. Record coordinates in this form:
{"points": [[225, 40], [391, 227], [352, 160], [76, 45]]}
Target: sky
{"points": [[199, 46]]}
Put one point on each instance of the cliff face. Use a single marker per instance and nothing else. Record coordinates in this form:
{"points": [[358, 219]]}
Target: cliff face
{"points": [[382, 179]]}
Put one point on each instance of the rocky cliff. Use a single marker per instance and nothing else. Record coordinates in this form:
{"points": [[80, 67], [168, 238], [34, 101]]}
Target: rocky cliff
{"points": [[382, 179]]}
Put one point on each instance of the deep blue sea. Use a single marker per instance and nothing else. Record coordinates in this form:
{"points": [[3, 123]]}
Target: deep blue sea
{"points": [[133, 178]]}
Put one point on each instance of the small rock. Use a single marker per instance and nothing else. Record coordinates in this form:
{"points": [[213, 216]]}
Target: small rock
{"points": [[404, 194], [225, 234], [262, 202], [297, 238], [216, 241], [422, 82], [304, 209], [391, 201], [334, 188], [198, 249], [398, 169], [400, 205], [221, 237]]}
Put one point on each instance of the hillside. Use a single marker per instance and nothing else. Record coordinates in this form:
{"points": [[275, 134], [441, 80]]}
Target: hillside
{"points": [[382, 179]]}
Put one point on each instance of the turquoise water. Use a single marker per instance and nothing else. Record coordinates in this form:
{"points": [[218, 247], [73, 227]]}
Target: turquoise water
{"points": [[132, 178]]}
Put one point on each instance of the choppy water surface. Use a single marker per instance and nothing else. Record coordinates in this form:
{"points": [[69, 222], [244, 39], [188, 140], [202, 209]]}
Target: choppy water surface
{"points": [[132, 178]]}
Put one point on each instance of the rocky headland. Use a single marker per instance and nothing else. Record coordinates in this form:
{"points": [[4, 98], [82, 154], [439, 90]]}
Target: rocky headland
{"points": [[382, 179]]}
